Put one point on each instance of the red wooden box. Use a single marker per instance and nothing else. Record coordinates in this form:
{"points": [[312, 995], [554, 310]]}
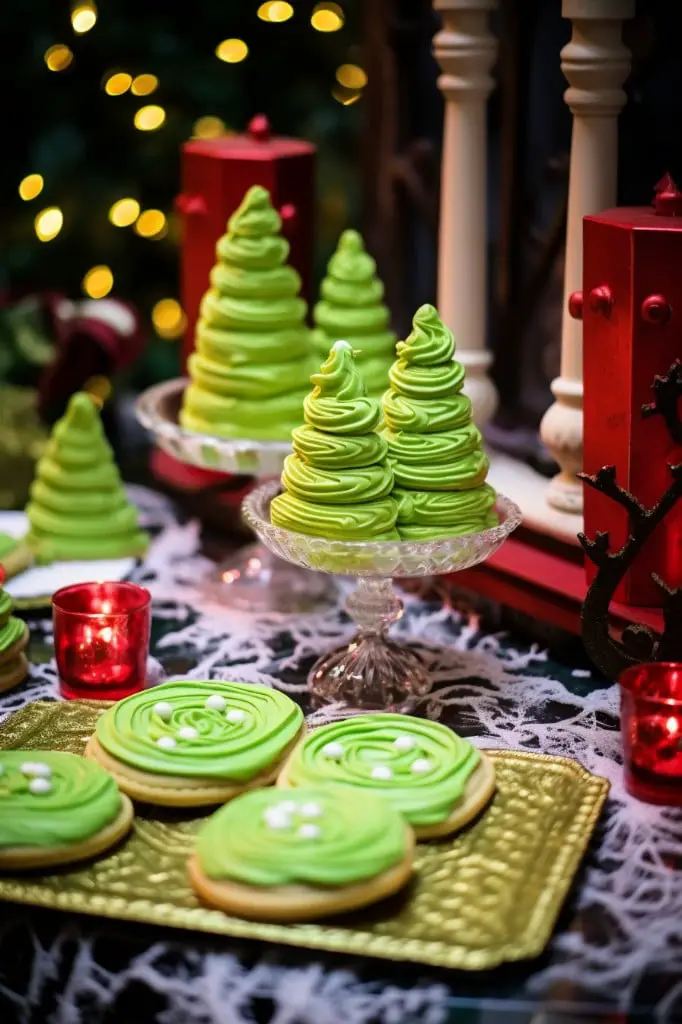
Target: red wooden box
{"points": [[631, 308]]}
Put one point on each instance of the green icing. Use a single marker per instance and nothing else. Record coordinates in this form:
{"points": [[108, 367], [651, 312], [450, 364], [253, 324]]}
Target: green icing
{"points": [[434, 449], [224, 749], [253, 357], [318, 835], [11, 629], [78, 508], [387, 743], [7, 544], [337, 482], [82, 799], [351, 307]]}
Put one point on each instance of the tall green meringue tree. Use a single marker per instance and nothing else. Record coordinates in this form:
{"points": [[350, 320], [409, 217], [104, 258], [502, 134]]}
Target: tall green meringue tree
{"points": [[351, 307], [253, 359], [435, 450], [337, 482]]}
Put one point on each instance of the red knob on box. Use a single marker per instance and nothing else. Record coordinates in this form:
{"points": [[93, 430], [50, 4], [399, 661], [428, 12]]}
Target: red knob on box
{"points": [[575, 305], [656, 310], [600, 300]]}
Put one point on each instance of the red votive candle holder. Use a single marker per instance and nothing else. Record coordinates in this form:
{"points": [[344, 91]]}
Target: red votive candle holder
{"points": [[101, 639], [651, 724]]}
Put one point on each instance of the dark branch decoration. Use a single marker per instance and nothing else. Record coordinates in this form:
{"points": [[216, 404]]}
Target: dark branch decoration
{"points": [[638, 643]]}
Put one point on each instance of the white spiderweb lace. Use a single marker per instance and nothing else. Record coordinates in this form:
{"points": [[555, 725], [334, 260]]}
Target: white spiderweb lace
{"points": [[496, 694]]}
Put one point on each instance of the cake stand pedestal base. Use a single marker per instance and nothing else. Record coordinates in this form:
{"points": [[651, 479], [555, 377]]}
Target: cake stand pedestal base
{"points": [[255, 580], [372, 672]]}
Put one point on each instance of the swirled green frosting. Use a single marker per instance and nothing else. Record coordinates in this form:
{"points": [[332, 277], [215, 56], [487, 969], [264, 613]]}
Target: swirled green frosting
{"points": [[351, 307], [434, 449], [78, 508], [11, 629], [318, 835], [49, 798], [212, 730], [337, 481], [253, 356], [421, 767]]}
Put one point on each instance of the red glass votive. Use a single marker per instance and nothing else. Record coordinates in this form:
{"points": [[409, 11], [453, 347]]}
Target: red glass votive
{"points": [[101, 639], [651, 725]]}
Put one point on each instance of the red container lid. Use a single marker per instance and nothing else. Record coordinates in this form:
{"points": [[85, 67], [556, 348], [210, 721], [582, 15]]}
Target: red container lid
{"points": [[257, 143]]}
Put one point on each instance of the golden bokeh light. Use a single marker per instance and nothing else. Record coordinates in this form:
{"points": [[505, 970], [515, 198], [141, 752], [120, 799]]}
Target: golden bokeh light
{"points": [[232, 51], [169, 319], [346, 96], [58, 57], [117, 82], [124, 212], [143, 85], [148, 119], [83, 16], [98, 282], [48, 223], [151, 224], [327, 17], [31, 186], [98, 388], [351, 76], [275, 11], [208, 127]]}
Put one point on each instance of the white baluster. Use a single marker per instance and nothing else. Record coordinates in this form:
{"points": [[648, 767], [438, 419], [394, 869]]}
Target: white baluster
{"points": [[466, 51], [595, 64]]}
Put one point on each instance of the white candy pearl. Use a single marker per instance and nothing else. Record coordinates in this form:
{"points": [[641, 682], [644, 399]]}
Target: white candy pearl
{"points": [[334, 751], [309, 831], [382, 771], [274, 818], [236, 715], [421, 765], [403, 743], [2, 768], [41, 769], [286, 806], [164, 710], [188, 732], [40, 785], [166, 743], [310, 810], [215, 702]]}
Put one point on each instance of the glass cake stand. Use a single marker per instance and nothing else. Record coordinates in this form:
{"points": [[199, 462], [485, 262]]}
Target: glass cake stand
{"points": [[253, 579], [373, 672]]}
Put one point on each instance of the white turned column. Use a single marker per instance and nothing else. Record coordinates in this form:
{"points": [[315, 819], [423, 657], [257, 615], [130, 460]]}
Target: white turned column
{"points": [[595, 64], [466, 51]]}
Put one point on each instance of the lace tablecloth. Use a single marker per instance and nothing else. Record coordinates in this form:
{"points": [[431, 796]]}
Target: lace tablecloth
{"points": [[618, 943]]}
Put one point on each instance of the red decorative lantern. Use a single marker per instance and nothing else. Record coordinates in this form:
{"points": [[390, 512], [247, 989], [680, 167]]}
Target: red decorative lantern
{"points": [[631, 308], [215, 175]]}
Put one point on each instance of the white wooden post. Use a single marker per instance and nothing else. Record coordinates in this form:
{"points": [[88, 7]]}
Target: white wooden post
{"points": [[595, 64], [466, 51]]}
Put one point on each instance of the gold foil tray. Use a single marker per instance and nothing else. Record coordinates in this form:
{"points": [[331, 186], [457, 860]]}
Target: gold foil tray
{"points": [[488, 895]]}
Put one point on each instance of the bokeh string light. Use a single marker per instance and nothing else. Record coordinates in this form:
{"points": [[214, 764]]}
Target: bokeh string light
{"points": [[149, 118], [144, 85], [48, 223], [275, 11], [83, 16], [232, 51], [351, 76], [116, 83], [151, 224], [58, 57], [31, 186], [209, 127], [124, 212], [169, 319], [98, 282], [327, 17]]}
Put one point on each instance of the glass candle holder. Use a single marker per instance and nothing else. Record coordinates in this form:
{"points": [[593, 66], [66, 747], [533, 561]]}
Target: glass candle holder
{"points": [[101, 639], [651, 724]]}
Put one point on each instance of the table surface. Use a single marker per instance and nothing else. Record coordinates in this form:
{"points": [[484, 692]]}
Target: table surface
{"points": [[616, 953]]}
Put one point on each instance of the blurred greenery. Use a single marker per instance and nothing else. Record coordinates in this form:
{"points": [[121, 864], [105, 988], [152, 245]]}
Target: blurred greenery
{"points": [[83, 142]]}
